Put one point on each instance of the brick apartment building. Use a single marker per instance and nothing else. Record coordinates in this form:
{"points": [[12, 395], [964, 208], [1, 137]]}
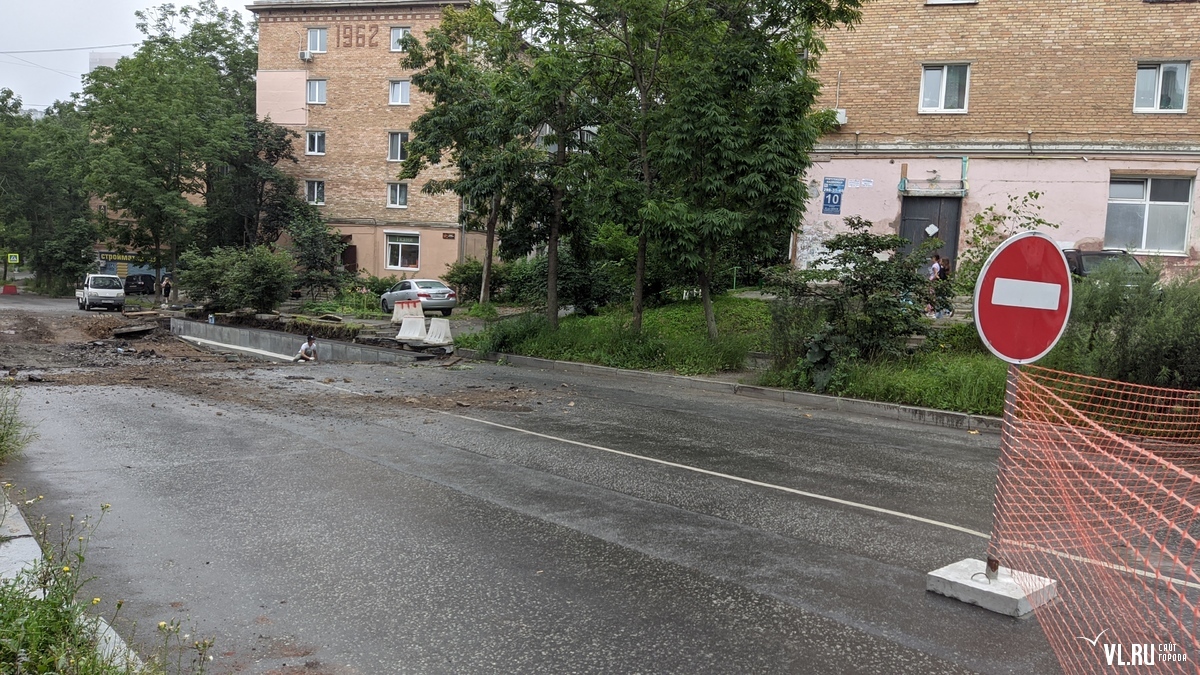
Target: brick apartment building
{"points": [[953, 105], [331, 70]]}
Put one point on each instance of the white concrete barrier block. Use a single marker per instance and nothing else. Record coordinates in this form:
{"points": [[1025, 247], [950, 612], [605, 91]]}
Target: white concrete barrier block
{"points": [[403, 309], [965, 580], [439, 332], [413, 328]]}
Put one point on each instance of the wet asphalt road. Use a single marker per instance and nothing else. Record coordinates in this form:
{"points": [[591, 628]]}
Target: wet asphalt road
{"points": [[408, 540]]}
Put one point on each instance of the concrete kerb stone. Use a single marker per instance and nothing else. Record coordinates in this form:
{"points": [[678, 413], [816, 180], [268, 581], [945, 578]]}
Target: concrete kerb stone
{"points": [[896, 411], [19, 551], [766, 393]]}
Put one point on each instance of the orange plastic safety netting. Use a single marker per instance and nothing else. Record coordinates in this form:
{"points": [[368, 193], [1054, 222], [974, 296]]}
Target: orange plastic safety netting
{"points": [[1098, 489]]}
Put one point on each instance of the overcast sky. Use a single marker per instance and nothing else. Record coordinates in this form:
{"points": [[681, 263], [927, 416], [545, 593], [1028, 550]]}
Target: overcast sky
{"points": [[61, 25]]}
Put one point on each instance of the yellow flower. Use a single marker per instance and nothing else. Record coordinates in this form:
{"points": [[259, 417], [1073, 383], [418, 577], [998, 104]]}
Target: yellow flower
{"points": [[66, 568], [95, 601], [162, 625]]}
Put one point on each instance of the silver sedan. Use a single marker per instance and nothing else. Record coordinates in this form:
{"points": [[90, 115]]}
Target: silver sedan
{"points": [[434, 295]]}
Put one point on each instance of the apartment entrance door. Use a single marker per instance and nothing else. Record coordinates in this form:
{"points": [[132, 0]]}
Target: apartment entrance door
{"points": [[918, 213]]}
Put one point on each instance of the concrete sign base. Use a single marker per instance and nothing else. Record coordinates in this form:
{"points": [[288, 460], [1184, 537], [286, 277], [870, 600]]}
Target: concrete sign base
{"points": [[966, 580]]}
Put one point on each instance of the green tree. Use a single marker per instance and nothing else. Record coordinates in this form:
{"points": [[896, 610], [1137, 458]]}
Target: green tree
{"points": [[42, 195], [317, 251], [251, 200], [63, 258], [470, 65], [165, 120], [736, 131]]}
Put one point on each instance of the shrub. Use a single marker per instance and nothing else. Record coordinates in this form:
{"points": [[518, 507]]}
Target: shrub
{"points": [[585, 287], [989, 228], [862, 299], [378, 285], [232, 278], [466, 278], [1131, 327]]}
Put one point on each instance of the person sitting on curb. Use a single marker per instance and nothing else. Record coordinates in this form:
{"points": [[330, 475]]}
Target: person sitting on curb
{"points": [[308, 351]]}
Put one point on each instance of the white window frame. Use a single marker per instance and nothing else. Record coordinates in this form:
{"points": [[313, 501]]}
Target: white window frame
{"points": [[404, 87], [316, 94], [314, 192], [941, 108], [319, 45], [1146, 202], [402, 146], [309, 137], [387, 248], [396, 192], [1158, 79], [404, 30]]}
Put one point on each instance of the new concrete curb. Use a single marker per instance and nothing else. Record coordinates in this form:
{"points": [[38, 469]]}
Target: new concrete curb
{"points": [[904, 413], [19, 551]]}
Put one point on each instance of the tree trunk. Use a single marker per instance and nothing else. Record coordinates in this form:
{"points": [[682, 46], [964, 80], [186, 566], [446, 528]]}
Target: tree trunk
{"points": [[560, 163], [485, 290], [710, 317], [639, 283], [552, 261]]}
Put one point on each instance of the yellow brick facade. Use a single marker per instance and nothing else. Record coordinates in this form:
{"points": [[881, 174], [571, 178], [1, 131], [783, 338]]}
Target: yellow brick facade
{"points": [[1063, 71], [358, 67], [1049, 108]]}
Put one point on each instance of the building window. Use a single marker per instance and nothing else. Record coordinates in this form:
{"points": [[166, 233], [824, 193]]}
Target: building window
{"points": [[316, 91], [399, 92], [316, 40], [944, 88], [1161, 87], [404, 251], [316, 143], [397, 35], [397, 140], [397, 195], [1148, 214], [314, 191]]}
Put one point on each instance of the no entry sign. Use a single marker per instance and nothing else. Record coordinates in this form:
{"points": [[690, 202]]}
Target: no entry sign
{"points": [[1023, 298]]}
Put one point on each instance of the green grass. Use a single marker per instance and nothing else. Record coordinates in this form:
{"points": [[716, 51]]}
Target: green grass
{"points": [[970, 383], [949, 373], [358, 305], [673, 338], [15, 434]]}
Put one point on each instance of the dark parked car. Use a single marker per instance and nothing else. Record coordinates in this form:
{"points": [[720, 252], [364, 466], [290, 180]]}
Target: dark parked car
{"points": [[1083, 263], [140, 284]]}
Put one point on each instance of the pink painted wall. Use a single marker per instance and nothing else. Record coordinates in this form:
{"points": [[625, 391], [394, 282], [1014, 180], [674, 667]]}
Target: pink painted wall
{"points": [[281, 95], [1074, 192]]}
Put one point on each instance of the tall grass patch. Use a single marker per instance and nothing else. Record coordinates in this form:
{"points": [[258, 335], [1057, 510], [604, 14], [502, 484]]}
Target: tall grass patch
{"points": [[970, 383], [14, 433], [672, 338]]}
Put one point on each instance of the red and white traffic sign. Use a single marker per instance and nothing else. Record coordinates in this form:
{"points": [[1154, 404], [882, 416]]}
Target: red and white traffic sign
{"points": [[1023, 298]]}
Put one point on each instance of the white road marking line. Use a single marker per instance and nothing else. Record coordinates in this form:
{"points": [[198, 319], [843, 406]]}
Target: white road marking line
{"points": [[1028, 294], [739, 479]]}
